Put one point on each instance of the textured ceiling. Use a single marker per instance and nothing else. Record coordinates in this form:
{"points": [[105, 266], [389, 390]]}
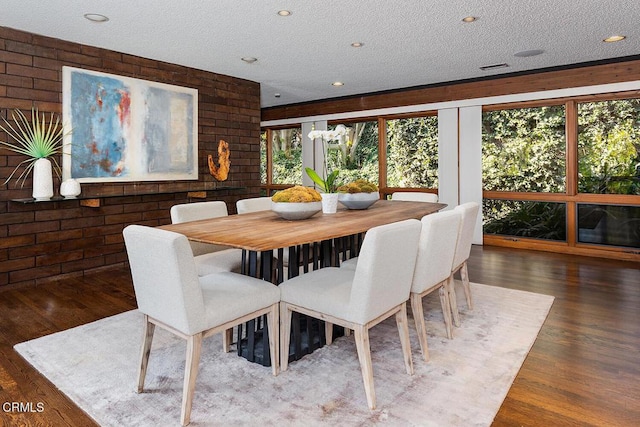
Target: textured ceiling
{"points": [[406, 42]]}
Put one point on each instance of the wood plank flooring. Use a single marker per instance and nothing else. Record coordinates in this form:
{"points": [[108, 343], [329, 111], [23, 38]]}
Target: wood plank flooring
{"points": [[583, 370]]}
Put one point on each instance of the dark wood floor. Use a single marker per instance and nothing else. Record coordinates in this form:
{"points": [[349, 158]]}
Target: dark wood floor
{"points": [[584, 368]]}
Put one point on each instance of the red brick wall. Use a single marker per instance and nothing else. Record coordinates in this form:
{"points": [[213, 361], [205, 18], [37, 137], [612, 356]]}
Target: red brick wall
{"points": [[48, 240]]}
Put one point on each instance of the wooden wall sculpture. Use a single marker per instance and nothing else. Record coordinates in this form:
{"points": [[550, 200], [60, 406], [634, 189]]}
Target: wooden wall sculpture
{"points": [[220, 172]]}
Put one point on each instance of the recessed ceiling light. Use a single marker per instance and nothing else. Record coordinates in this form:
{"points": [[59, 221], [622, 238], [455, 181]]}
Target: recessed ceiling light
{"points": [[284, 12], [614, 39], [468, 19], [528, 53], [337, 84], [249, 59], [277, 95], [96, 17], [493, 67], [357, 44]]}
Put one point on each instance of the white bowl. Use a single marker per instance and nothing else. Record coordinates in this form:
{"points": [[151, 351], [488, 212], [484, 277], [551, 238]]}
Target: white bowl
{"points": [[358, 200], [295, 211]]}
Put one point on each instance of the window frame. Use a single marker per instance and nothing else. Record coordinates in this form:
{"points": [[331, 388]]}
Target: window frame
{"points": [[571, 196]]}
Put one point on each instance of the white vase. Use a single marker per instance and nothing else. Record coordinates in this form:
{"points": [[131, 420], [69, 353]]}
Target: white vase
{"points": [[70, 188], [42, 180], [329, 203]]}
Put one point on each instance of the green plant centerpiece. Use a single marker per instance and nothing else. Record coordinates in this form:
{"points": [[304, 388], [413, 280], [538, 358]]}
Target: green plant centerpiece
{"points": [[296, 203], [359, 194], [40, 139]]}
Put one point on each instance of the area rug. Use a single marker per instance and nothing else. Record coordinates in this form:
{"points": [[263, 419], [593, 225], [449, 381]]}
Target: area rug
{"points": [[463, 384]]}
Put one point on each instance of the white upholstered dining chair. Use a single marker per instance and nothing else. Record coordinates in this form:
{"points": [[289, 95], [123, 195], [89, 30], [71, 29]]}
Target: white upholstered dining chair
{"points": [[469, 212], [436, 249], [172, 296], [253, 204], [414, 196], [209, 258], [359, 298]]}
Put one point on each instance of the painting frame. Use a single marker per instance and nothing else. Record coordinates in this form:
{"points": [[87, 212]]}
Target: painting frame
{"points": [[125, 129]]}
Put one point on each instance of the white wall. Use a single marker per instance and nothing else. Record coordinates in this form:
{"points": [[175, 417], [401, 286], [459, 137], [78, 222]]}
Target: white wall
{"points": [[312, 152], [470, 163], [448, 157]]}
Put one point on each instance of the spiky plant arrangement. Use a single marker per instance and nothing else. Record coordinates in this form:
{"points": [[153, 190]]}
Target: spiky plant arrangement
{"points": [[37, 139]]}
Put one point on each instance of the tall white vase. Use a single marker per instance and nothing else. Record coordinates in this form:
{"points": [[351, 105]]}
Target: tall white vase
{"points": [[42, 180]]}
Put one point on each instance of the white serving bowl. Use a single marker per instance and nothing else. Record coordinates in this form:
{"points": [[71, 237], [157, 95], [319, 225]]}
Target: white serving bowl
{"points": [[295, 211], [358, 200]]}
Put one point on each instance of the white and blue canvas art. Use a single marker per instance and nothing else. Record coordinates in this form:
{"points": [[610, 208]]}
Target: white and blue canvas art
{"points": [[126, 129]]}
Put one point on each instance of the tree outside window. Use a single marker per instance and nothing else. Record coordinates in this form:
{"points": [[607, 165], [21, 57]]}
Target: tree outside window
{"points": [[286, 146], [356, 155]]}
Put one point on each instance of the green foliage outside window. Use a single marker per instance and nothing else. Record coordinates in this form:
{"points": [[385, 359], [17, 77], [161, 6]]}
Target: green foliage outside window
{"points": [[539, 220], [287, 156], [524, 150], [263, 157], [412, 152], [609, 147]]}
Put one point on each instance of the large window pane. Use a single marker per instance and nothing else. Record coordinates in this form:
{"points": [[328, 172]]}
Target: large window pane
{"points": [[609, 225], [524, 149], [356, 155], [287, 156], [609, 147], [539, 220], [412, 152]]}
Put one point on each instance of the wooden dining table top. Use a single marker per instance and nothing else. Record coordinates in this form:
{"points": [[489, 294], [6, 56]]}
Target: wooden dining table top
{"points": [[265, 230]]}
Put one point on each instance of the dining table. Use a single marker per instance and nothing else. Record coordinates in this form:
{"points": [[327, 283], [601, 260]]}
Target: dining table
{"points": [[322, 240]]}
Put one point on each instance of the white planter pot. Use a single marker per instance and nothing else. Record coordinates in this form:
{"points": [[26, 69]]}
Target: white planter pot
{"points": [[70, 189], [42, 180], [329, 203]]}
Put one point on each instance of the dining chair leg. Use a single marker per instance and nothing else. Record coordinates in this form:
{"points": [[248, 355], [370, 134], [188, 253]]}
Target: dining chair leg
{"points": [[273, 323], [227, 339], [452, 301], [328, 332], [285, 335], [403, 330], [145, 351], [194, 347], [421, 328], [464, 275], [446, 311], [361, 333]]}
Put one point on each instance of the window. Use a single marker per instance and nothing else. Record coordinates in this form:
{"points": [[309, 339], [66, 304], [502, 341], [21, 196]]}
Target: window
{"points": [[559, 174], [537, 220], [263, 157], [412, 152], [286, 149], [357, 155], [524, 149], [609, 225], [609, 147]]}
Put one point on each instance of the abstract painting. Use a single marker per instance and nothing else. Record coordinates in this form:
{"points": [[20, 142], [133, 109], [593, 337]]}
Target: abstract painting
{"points": [[126, 129]]}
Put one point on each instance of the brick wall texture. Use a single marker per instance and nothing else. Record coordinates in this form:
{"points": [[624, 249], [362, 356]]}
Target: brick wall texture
{"points": [[46, 241]]}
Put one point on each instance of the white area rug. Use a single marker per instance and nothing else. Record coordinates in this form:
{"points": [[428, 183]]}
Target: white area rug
{"points": [[464, 383]]}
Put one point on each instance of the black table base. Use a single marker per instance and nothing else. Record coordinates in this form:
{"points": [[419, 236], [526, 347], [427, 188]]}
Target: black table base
{"points": [[307, 333]]}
